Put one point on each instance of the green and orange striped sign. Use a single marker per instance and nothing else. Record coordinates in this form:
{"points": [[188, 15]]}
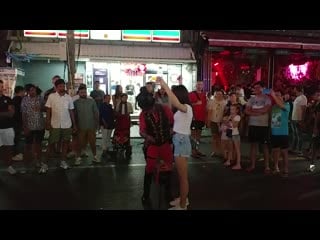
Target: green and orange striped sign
{"points": [[83, 34], [136, 35], [41, 33], [170, 36]]}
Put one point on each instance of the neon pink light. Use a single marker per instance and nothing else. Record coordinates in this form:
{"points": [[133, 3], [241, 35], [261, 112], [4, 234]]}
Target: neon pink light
{"points": [[216, 64], [297, 72]]}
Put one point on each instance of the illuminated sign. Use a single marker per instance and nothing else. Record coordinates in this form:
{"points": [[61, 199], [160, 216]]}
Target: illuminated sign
{"points": [[136, 35], [83, 34], [166, 36], [169, 36], [105, 34], [41, 33]]}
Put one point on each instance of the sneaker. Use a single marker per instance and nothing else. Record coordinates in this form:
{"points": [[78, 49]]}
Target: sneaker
{"points": [[201, 154], [78, 161], [212, 154], [18, 157], [84, 154], [64, 165], [11, 170], [71, 155], [177, 208], [311, 168], [176, 202], [96, 159], [44, 168]]}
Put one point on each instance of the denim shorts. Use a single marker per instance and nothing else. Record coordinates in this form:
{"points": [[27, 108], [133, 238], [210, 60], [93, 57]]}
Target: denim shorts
{"points": [[182, 145]]}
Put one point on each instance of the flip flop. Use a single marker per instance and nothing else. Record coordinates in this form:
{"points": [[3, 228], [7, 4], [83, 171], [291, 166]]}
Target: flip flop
{"points": [[250, 169]]}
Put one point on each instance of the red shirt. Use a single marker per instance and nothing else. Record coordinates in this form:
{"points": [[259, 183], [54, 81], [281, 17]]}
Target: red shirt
{"points": [[199, 111], [167, 111]]}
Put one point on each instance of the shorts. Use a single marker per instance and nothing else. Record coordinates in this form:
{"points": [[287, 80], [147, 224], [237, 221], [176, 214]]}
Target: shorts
{"points": [[197, 125], [258, 134], [87, 136], [182, 145], [6, 137], [214, 128], [154, 153], [35, 136], [280, 141], [60, 134], [236, 138]]}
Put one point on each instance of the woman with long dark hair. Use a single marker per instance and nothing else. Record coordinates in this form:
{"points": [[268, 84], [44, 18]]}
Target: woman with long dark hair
{"points": [[179, 98], [116, 98]]}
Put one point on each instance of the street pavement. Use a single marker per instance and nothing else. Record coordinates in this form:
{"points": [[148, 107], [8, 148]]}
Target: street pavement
{"points": [[117, 185]]}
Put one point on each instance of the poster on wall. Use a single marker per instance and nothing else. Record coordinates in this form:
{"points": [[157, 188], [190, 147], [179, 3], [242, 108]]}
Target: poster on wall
{"points": [[9, 78], [153, 77]]}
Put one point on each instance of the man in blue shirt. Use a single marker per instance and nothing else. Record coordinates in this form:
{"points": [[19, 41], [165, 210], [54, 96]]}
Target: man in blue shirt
{"points": [[280, 131]]}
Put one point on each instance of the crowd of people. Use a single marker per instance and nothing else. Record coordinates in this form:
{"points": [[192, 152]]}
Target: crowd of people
{"points": [[171, 121]]}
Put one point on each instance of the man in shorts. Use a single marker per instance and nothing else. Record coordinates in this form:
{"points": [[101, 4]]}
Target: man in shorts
{"points": [[258, 108], [198, 100], [60, 120], [6, 129]]}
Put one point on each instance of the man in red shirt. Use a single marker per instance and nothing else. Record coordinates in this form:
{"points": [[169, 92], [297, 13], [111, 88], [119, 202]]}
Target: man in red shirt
{"points": [[198, 100], [156, 122]]}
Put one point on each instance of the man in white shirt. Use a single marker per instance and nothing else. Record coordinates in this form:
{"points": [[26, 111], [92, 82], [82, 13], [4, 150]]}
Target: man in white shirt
{"points": [[60, 119], [298, 116]]}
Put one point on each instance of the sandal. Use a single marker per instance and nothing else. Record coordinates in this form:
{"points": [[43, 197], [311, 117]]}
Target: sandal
{"points": [[267, 171], [276, 172], [250, 169], [236, 168]]}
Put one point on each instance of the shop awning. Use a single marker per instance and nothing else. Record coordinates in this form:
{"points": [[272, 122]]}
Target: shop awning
{"points": [[112, 52]]}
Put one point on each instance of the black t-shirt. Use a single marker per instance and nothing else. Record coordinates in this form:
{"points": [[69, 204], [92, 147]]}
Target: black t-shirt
{"points": [[17, 110], [47, 93], [5, 122]]}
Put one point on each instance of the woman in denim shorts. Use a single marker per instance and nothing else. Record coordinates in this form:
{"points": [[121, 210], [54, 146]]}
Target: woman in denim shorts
{"points": [[183, 115]]}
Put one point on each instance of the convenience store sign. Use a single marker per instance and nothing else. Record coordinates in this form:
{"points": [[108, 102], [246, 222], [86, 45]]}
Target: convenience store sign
{"points": [[83, 34], [169, 36]]}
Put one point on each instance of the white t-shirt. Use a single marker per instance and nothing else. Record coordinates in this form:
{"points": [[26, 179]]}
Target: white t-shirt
{"points": [[297, 107], [60, 106], [217, 108], [235, 130], [182, 121]]}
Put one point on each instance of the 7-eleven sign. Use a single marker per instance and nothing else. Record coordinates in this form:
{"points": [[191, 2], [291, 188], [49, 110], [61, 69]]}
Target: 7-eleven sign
{"points": [[40, 33], [83, 34]]}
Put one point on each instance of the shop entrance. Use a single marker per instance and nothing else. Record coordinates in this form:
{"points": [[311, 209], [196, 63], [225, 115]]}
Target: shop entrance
{"points": [[101, 75]]}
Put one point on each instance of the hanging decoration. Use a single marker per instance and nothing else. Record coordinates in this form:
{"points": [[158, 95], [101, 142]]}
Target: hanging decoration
{"points": [[135, 69]]}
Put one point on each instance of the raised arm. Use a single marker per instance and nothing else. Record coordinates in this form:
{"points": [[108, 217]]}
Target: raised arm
{"points": [[277, 100], [173, 99]]}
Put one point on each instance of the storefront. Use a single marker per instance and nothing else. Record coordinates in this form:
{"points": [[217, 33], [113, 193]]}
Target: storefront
{"points": [[133, 75], [138, 57]]}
